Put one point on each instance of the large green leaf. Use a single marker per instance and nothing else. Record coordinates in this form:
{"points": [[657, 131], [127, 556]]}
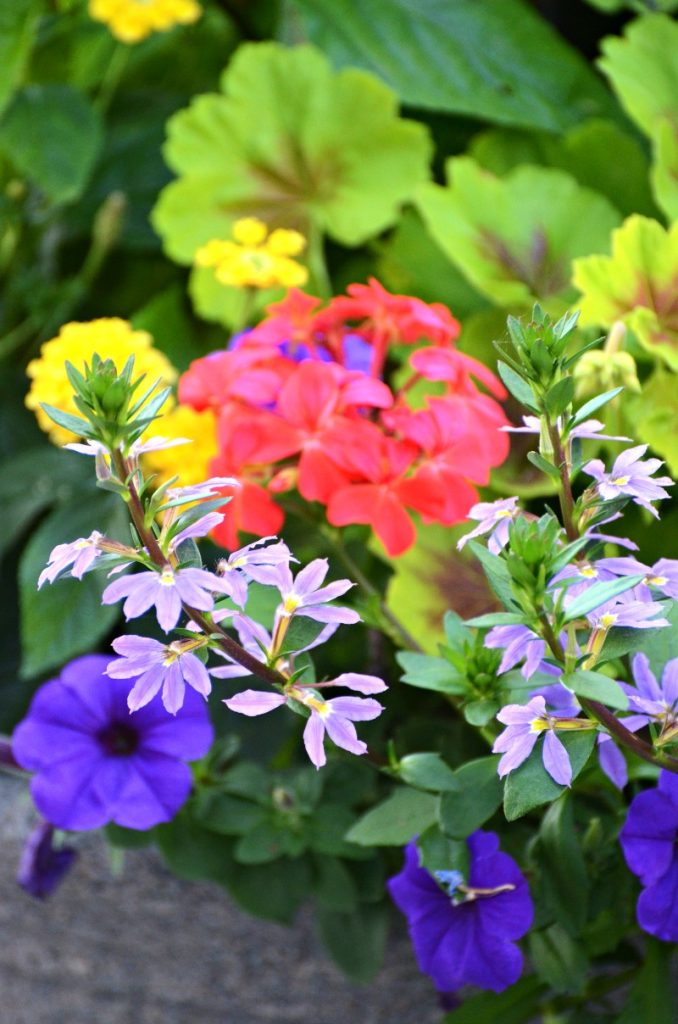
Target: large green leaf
{"points": [[566, 885], [329, 151], [654, 414], [515, 237], [18, 21], [635, 284], [66, 618], [356, 941], [475, 797], [652, 998], [517, 1005], [52, 135], [436, 55], [405, 814]]}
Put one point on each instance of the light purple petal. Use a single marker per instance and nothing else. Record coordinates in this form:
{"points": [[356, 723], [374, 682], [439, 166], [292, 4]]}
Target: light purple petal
{"points": [[342, 732], [360, 683], [556, 760], [359, 709], [314, 734], [255, 702]]}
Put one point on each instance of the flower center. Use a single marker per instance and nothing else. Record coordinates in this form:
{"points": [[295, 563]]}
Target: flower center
{"points": [[620, 481], [657, 581], [167, 577], [608, 619], [589, 573], [118, 739]]}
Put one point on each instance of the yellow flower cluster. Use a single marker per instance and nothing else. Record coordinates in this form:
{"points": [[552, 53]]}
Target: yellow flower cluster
{"points": [[111, 338], [254, 258], [130, 21], [190, 462]]}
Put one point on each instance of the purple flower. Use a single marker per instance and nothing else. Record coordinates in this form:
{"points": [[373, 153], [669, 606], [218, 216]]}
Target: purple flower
{"points": [[196, 492], [334, 717], [167, 589], [257, 561], [650, 701], [95, 764], [649, 840], [588, 430], [80, 554], [494, 517], [519, 642], [466, 936], [628, 609], [563, 704], [158, 666], [43, 866], [258, 641], [153, 444], [631, 477], [663, 574], [305, 595], [526, 723], [609, 538], [200, 528]]}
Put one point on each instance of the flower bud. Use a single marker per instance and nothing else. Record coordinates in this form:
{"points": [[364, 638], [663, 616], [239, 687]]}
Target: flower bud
{"points": [[601, 370]]}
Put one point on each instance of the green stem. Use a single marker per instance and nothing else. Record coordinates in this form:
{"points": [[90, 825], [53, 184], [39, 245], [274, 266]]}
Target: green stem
{"points": [[320, 278], [111, 77]]}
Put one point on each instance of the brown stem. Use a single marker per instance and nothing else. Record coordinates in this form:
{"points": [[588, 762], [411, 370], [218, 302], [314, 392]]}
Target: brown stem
{"points": [[628, 739], [226, 642]]}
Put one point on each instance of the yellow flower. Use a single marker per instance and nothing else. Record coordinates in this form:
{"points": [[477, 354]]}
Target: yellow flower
{"points": [[255, 259], [130, 21], [111, 338], [190, 462]]}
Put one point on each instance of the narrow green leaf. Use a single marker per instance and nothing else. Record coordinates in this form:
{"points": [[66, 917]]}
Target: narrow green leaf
{"points": [[559, 397], [496, 571], [518, 386], [543, 465], [65, 419], [599, 593], [588, 408], [496, 619], [517, 1005], [559, 960]]}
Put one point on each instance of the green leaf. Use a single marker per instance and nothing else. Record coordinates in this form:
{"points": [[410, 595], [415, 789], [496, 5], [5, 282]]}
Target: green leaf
{"points": [[327, 831], [192, 851], [456, 630], [597, 594], [274, 891], [226, 814], [588, 408], [596, 686], [652, 997], [300, 633], [429, 673], [431, 578], [543, 466], [558, 960], [663, 647], [333, 885], [18, 23], [267, 841], [429, 53], [517, 385], [75, 424], [480, 712], [329, 153], [476, 796], [563, 867], [517, 1005], [654, 414], [497, 574], [530, 785], [65, 619], [559, 397], [514, 238], [437, 852], [426, 771], [631, 285], [356, 941], [52, 135], [405, 814]]}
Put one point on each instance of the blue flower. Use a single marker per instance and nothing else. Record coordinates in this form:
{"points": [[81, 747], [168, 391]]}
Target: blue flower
{"points": [[465, 934]]}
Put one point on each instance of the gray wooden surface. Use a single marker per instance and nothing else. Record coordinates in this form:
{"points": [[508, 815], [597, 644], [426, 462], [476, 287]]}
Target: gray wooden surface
{"points": [[147, 948]]}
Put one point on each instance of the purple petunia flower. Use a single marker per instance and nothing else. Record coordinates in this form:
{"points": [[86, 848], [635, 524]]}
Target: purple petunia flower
{"points": [[649, 840], [165, 589], [305, 596], [157, 666], [631, 477], [467, 936], [334, 717], [526, 723], [80, 554], [494, 517], [43, 866], [94, 764], [519, 642]]}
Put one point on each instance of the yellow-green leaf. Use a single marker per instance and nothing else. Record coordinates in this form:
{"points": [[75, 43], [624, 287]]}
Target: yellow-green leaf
{"points": [[637, 284], [514, 237]]}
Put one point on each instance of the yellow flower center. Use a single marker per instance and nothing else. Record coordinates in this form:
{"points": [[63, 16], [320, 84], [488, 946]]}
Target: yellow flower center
{"points": [[608, 619], [167, 577], [620, 481]]}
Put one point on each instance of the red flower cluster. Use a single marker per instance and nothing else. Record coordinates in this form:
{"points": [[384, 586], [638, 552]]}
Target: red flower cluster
{"points": [[301, 403]]}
